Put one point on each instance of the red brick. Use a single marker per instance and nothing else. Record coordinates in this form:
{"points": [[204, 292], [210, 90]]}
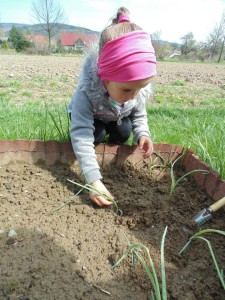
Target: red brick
{"points": [[164, 150], [100, 149], [52, 157], [211, 183], [110, 155], [67, 158], [37, 157], [6, 146], [187, 155], [66, 147], [52, 152], [25, 145], [164, 147], [25, 156], [192, 163], [36, 145], [100, 158], [176, 152], [219, 191], [200, 177], [155, 147], [124, 151], [112, 149], [52, 146], [136, 158]]}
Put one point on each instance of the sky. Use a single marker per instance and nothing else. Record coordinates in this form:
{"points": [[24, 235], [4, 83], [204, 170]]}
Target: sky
{"points": [[173, 18]]}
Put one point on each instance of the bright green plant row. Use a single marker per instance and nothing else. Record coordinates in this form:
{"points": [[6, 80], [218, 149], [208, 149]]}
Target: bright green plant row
{"points": [[202, 129]]}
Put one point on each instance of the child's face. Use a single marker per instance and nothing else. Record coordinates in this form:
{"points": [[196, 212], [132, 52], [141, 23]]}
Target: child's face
{"points": [[121, 92]]}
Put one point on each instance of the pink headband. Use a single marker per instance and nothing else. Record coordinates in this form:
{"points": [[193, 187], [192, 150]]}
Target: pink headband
{"points": [[128, 58]]}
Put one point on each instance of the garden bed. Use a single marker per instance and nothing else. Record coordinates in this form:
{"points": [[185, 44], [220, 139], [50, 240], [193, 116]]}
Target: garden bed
{"points": [[69, 254]]}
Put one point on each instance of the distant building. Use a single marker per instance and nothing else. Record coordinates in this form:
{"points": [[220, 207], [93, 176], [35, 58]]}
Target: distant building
{"points": [[77, 41], [175, 53], [38, 43], [4, 39], [37, 39]]}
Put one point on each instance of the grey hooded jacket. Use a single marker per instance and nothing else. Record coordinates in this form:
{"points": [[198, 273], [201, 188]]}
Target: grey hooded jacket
{"points": [[90, 101]]}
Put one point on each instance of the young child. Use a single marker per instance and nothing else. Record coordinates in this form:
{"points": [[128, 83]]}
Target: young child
{"points": [[110, 99]]}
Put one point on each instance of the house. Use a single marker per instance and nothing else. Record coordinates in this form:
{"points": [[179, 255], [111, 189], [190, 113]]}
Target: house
{"points": [[36, 39], [77, 41], [175, 53], [3, 39], [39, 44]]}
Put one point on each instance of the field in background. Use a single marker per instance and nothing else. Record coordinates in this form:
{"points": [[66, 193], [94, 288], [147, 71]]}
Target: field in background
{"points": [[187, 108], [53, 78]]}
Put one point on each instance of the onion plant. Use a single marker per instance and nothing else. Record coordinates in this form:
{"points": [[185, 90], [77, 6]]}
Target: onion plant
{"points": [[134, 249], [67, 202], [199, 236], [174, 182], [91, 189]]}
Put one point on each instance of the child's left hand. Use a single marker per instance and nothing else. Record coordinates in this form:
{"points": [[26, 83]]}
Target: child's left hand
{"points": [[146, 144]]}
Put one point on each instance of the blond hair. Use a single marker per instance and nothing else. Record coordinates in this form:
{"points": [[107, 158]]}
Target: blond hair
{"points": [[115, 29]]}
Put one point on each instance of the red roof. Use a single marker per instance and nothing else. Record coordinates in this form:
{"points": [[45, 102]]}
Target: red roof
{"points": [[69, 39], [36, 38]]}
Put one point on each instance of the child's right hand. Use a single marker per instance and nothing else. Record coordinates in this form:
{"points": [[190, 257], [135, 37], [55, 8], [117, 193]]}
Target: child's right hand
{"points": [[100, 200]]}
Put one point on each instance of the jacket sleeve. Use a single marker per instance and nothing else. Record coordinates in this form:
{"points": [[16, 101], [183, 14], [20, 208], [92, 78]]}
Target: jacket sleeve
{"points": [[82, 135]]}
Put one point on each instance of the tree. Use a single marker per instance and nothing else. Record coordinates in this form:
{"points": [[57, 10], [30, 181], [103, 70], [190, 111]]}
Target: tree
{"points": [[216, 38], [18, 40], [49, 15], [189, 44], [162, 49]]}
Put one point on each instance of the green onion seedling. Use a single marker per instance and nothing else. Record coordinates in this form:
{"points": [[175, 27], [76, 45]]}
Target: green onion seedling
{"points": [[134, 249], [91, 189], [199, 236], [174, 183]]}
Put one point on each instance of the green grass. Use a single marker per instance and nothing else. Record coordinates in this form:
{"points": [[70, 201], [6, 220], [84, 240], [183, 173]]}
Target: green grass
{"points": [[202, 129], [33, 121]]}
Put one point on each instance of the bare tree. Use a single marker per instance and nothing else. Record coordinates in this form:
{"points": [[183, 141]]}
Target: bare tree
{"points": [[222, 22], [162, 49], [49, 15], [156, 38], [215, 40]]}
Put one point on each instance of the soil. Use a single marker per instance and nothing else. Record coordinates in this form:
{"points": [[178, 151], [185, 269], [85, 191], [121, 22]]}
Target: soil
{"points": [[69, 254], [54, 78]]}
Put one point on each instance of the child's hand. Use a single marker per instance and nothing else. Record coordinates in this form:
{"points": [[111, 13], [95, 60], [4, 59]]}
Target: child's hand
{"points": [[100, 200], [146, 144]]}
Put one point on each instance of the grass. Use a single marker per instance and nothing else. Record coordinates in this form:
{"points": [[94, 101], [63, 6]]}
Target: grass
{"points": [[33, 121], [202, 129]]}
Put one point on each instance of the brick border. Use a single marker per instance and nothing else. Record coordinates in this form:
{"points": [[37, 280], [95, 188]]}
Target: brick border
{"points": [[52, 152]]}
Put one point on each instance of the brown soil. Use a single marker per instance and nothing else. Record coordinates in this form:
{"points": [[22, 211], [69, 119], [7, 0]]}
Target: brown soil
{"points": [[69, 254]]}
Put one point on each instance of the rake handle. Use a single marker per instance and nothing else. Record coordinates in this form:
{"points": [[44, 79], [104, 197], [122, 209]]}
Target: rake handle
{"points": [[217, 205]]}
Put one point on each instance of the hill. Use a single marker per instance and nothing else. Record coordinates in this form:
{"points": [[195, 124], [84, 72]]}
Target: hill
{"points": [[37, 29]]}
